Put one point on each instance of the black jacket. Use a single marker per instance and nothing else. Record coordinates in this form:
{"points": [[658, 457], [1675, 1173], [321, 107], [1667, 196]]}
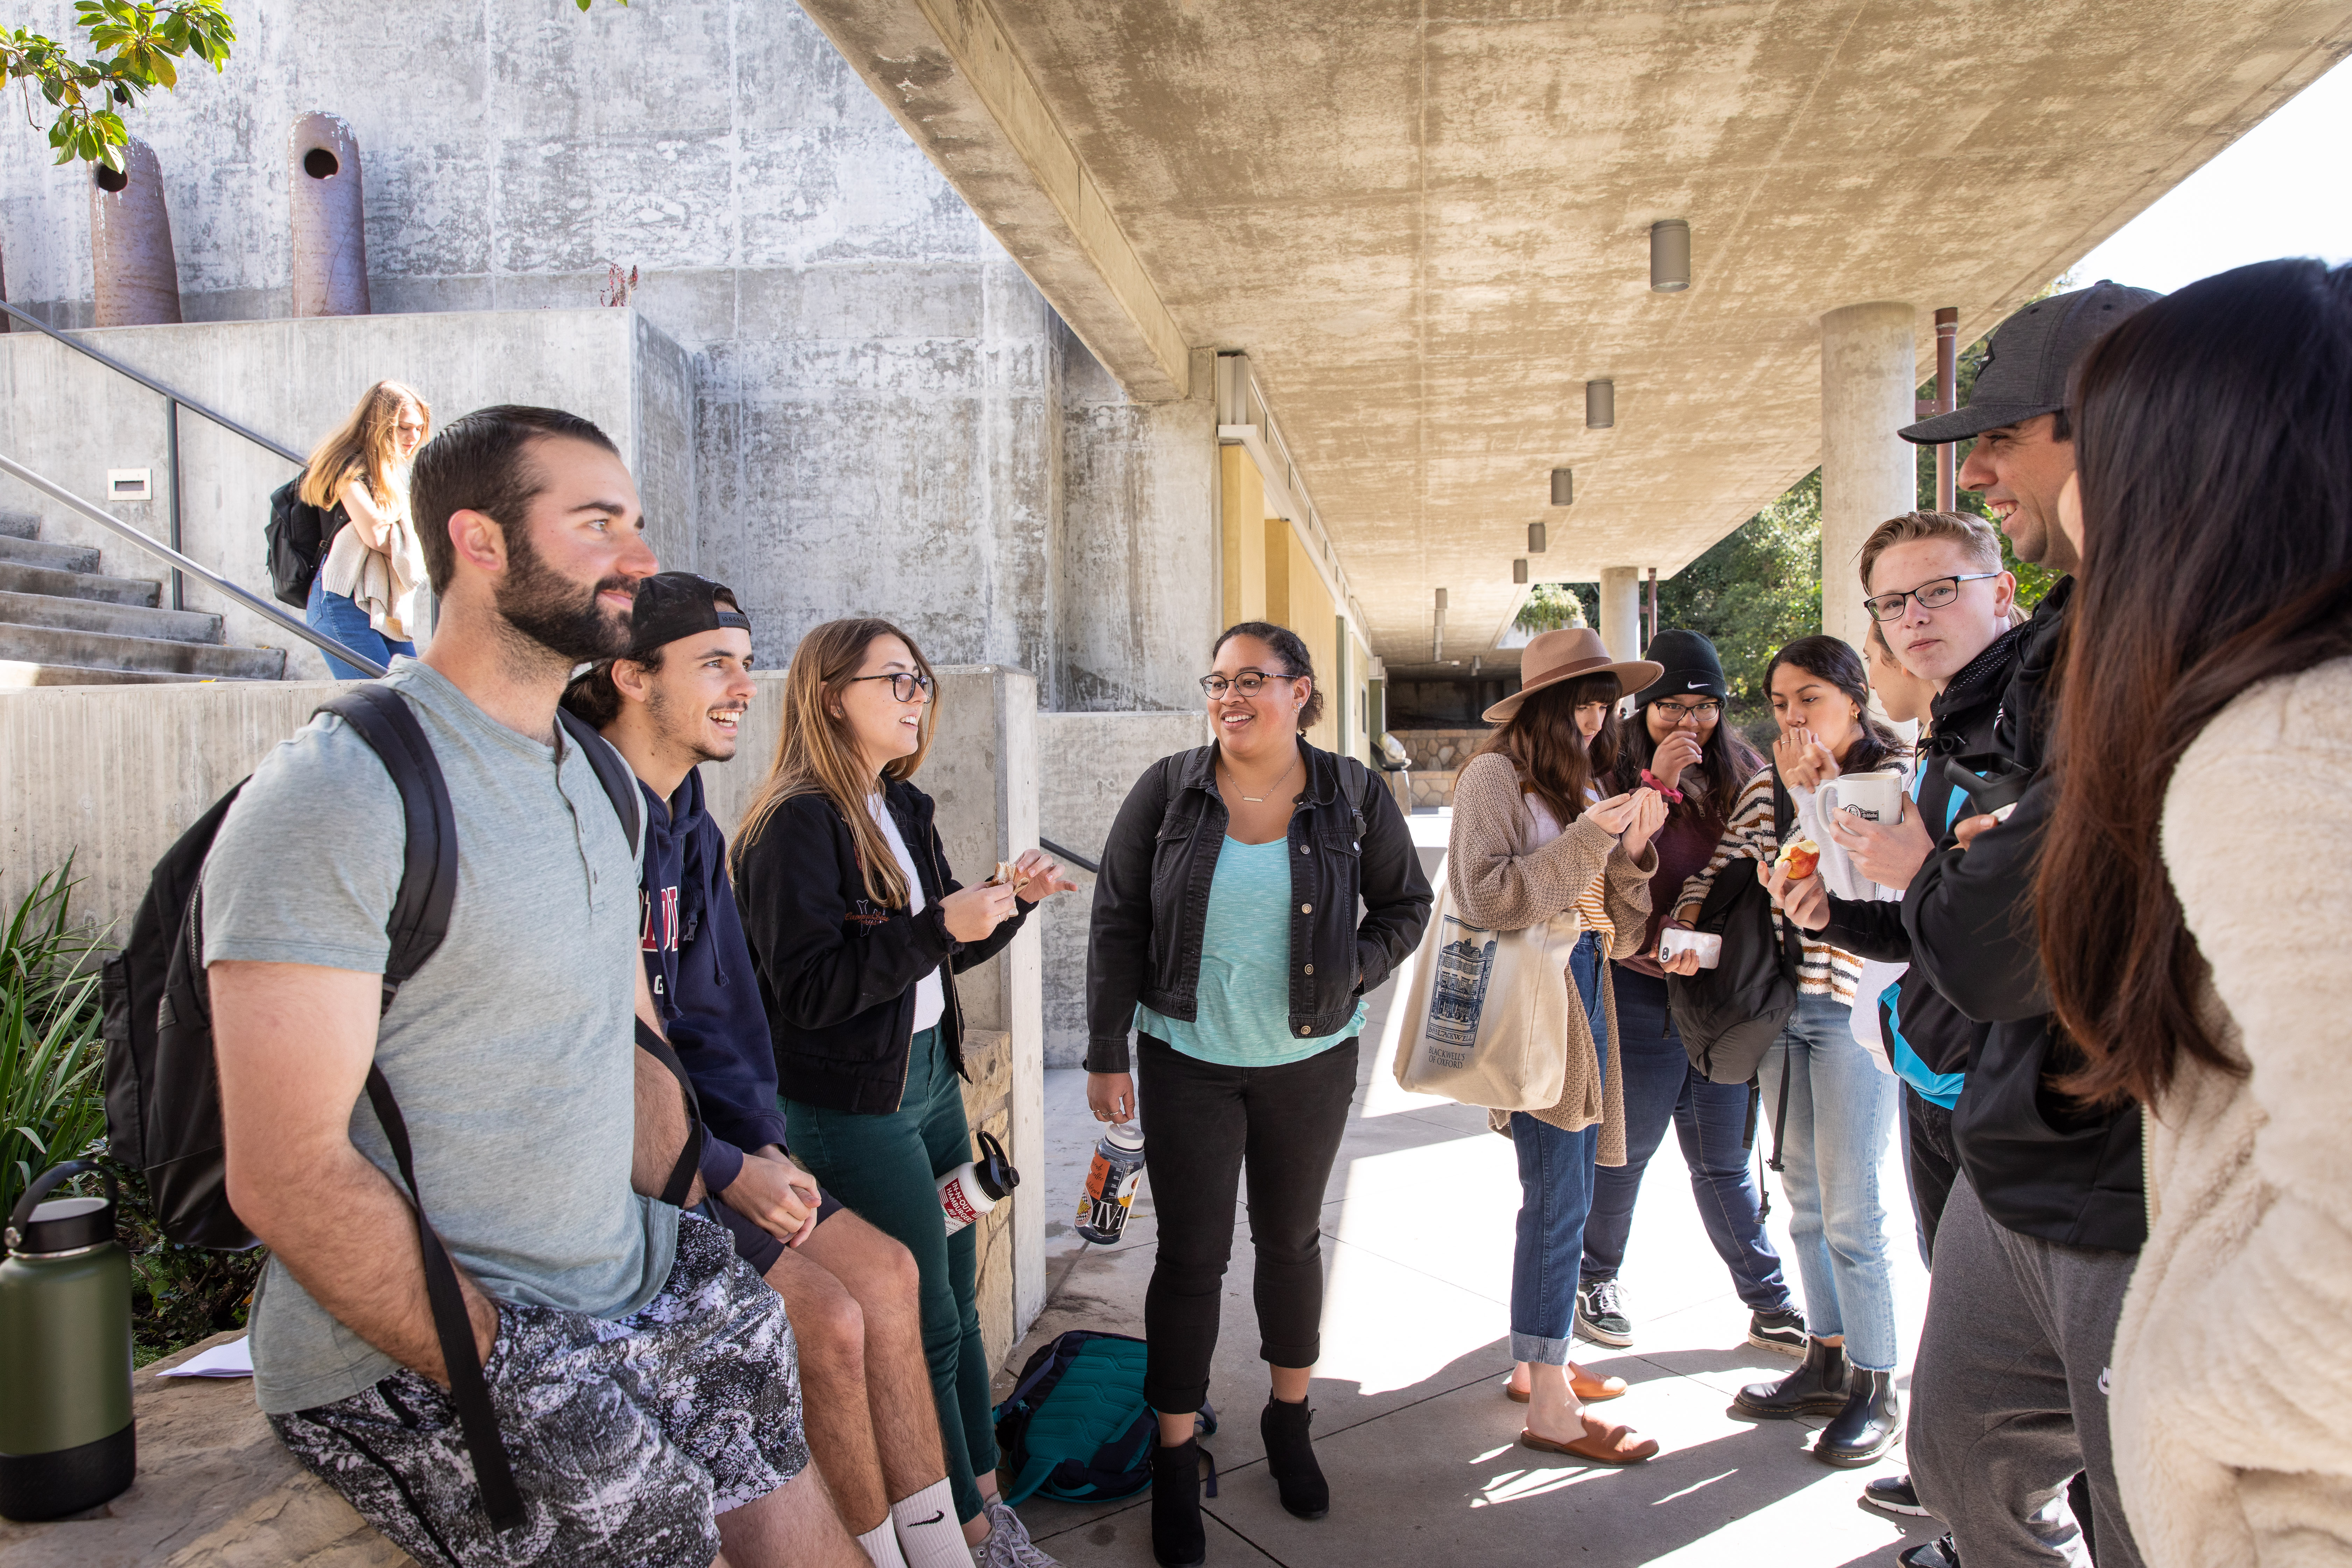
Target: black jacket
{"points": [[2039, 1162], [1939, 1034], [1152, 896], [837, 973]]}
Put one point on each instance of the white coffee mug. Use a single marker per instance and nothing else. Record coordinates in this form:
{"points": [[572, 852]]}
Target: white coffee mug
{"points": [[1873, 798]]}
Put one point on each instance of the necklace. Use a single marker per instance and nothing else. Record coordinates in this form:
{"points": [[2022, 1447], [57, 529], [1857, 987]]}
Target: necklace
{"points": [[1260, 799]]}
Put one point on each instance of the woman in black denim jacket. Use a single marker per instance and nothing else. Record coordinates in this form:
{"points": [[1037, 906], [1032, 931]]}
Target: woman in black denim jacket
{"points": [[1226, 932]]}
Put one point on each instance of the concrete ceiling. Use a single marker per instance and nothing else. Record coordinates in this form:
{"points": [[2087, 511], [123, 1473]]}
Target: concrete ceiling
{"points": [[1426, 222]]}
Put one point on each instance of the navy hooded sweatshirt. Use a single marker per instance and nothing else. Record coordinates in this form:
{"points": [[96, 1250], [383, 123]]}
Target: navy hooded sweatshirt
{"points": [[700, 972]]}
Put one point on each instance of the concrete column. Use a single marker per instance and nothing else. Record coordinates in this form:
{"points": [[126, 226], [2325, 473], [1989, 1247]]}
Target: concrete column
{"points": [[1869, 379], [1621, 610]]}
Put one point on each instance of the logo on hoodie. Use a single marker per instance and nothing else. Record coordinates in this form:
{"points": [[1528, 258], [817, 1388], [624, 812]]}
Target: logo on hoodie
{"points": [[659, 932]]}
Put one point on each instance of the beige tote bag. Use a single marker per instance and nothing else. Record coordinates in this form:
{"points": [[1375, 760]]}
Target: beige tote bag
{"points": [[1488, 1020]]}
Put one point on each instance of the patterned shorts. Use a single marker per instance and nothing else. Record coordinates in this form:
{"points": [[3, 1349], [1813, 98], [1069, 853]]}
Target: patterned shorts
{"points": [[628, 1438]]}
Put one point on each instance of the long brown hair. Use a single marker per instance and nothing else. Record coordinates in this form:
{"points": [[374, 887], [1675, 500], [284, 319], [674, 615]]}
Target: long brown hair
{"points": [[1555, 764], [816, 754], [364, 448], [2213, 448]]}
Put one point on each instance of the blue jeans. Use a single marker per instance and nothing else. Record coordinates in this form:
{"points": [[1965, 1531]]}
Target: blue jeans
{"points": [[1841, 1116], [339, 618], [1711, 1121], [1555, 1193]]}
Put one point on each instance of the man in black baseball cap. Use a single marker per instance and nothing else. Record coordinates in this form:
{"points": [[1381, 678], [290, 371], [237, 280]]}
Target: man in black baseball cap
{"points": [[2044, 1225], [2017, 413], [675, 699]]}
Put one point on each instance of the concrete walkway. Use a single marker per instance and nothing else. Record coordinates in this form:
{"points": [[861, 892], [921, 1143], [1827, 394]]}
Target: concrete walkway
{"points": [[1411, 1423]]}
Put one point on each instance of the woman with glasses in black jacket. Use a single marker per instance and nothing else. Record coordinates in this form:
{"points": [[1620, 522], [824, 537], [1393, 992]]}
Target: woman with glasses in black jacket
{"points": [[1225, 934]]}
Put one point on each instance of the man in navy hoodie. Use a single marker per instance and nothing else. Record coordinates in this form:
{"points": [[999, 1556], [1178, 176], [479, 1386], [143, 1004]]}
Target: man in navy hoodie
{"points": [[675, 701]]}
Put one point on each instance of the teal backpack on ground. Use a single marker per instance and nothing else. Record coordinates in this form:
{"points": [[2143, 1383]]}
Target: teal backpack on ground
{"points": [[1077, 1426]]}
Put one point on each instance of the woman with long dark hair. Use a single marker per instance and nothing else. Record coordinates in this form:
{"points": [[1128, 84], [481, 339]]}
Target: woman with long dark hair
{"points": [[2191, 901], [858, 931], [1832, 1107], [1534, 838], [1679, 743], [1225, 934]]}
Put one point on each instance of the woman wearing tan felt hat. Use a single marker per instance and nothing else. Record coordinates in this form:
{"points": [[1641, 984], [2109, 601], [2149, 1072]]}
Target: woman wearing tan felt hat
{"points": [[1554, 657], [1533, 839]]}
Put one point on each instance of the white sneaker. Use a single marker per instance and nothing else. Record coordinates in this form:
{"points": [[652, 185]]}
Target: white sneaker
{"points": [[1008, 1544]]}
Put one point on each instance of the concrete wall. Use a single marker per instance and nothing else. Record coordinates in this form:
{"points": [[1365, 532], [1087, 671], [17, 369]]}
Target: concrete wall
{"points": [[886, 416], [111, 775], [1092, 761], [72, 419]]}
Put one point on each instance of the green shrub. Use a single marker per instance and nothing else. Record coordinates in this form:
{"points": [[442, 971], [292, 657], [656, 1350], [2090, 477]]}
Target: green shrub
{"points": [[53, 1108]]}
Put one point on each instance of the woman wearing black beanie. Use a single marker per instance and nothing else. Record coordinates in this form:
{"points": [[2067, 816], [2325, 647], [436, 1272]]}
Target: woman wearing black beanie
{"points": [[1681, 741]]}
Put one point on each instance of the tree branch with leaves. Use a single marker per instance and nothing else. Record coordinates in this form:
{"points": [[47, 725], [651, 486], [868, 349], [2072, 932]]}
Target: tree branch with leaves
{"points": [[133, 48]]}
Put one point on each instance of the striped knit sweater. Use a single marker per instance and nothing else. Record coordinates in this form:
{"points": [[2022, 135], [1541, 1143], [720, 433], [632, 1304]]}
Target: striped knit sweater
{"points": [[1749, 836]]}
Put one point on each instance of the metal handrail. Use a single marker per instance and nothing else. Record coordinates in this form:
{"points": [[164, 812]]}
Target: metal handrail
{"points": [[1072, 855], [173, 403], [251, 601]]}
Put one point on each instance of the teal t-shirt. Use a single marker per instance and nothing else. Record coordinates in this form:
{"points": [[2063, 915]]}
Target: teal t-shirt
{"points": [[1242, 1008]]}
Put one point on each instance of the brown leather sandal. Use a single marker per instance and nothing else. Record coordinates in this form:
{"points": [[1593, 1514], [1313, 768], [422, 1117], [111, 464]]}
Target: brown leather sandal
{"points": [[1603, 1443], [1587, 1389]]}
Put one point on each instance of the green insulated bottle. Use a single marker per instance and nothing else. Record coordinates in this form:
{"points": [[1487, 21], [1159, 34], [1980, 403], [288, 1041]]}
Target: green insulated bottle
{"points": [[66, 1443]]}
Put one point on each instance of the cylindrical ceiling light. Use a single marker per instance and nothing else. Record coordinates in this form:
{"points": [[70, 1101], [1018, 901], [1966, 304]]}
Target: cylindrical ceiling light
{"points": [[1600, 404], [1563, 486], [1519, 570], [1535, 538], [1440, 607], [1669, 255]]}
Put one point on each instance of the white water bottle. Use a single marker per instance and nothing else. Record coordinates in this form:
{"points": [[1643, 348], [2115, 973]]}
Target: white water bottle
{"points": [[976, 1186]]}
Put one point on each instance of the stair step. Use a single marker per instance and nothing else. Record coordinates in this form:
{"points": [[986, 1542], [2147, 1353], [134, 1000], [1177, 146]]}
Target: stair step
{"points": [[17, 674], [102, 650], [25, 551], [19, 525], [98, 616], [17, 579]]}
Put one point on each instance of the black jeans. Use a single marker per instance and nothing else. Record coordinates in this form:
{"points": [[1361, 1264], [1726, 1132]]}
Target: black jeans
{"points": [[1933, 1164], [1202, 1123]]}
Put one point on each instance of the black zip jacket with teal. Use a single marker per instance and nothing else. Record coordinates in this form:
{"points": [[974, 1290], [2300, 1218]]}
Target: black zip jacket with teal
{"points": [[1152, 896], [837, 972]]}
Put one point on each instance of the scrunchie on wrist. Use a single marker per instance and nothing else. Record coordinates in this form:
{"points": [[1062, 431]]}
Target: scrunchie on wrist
{"points": [[1665, 789]]}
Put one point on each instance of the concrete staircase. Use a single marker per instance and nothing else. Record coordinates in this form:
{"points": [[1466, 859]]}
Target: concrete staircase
{"points": [[62, 623]]}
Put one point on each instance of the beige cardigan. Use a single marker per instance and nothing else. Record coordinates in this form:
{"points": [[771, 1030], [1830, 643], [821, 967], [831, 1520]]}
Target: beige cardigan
{"points": [[2233, 1364], [1499, 880]]}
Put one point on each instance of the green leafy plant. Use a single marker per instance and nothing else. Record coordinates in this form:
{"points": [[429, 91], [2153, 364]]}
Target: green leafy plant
{"points": [[134, 49], [1549, 607], [52, 1102]]}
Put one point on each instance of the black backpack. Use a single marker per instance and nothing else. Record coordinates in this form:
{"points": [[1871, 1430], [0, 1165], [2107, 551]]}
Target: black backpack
{"points": [[297, 534], [163, 1092]]}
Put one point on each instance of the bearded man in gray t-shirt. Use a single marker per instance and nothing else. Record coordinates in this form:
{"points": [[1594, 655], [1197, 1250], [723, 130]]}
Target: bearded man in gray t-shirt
{"points": [[643, 1378]]}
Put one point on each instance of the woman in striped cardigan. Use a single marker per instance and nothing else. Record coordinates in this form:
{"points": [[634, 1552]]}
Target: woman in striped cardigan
{"points": [[1833, 1107]]}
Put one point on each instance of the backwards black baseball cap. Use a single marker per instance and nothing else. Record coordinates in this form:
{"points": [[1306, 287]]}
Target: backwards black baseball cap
{"points": [[673, 604], [2024, 372]]}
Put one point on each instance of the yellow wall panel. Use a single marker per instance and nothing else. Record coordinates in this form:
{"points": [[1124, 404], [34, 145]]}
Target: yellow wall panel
{"points": [[1242, 506]]}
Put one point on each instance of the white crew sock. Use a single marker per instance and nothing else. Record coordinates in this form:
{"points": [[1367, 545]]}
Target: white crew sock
{"points": [[881, 1547], [929, 1531]]}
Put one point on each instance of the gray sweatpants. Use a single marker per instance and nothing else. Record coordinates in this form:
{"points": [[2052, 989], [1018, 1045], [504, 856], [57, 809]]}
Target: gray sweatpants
{"points": [[2009, 1394]]}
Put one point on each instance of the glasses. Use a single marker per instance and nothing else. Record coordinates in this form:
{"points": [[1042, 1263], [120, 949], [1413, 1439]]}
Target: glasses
{"points": [[902, 686], [1249, 682], [1694, 713], [1932, 595]]}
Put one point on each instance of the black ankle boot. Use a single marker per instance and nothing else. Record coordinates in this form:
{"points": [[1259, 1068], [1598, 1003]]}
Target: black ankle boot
{"points": [[1867, 1426], [1291, 1458], [1816, 1388], [1177, 1539]]}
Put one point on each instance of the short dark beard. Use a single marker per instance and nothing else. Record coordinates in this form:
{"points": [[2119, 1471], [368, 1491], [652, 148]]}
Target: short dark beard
{"points": [[566, 618], [685, 736]]}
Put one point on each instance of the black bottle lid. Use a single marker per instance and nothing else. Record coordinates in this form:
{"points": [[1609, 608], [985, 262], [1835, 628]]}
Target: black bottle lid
{"points": [[61, 1224]]}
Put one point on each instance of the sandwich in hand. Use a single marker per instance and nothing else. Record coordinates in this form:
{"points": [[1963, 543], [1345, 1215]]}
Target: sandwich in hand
{"points": [[1005, 875]]}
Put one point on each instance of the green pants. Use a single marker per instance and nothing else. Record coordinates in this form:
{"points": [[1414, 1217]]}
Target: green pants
{"points": [[888, 1169]]}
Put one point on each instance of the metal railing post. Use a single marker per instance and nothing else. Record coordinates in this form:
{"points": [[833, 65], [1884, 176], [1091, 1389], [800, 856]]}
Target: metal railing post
{"points": [[171, 450]]}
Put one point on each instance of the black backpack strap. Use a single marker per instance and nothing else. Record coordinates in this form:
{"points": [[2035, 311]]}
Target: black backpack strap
{"points": [[689, 1158], [428, 877], [493, 1472], [1357, 779], [420, 919], [612, 771]]}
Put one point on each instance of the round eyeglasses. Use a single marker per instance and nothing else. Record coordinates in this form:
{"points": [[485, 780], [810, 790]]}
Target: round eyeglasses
{"points": [[1932, 595], [1249, 682], [1695, 712], [902, 686]]}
